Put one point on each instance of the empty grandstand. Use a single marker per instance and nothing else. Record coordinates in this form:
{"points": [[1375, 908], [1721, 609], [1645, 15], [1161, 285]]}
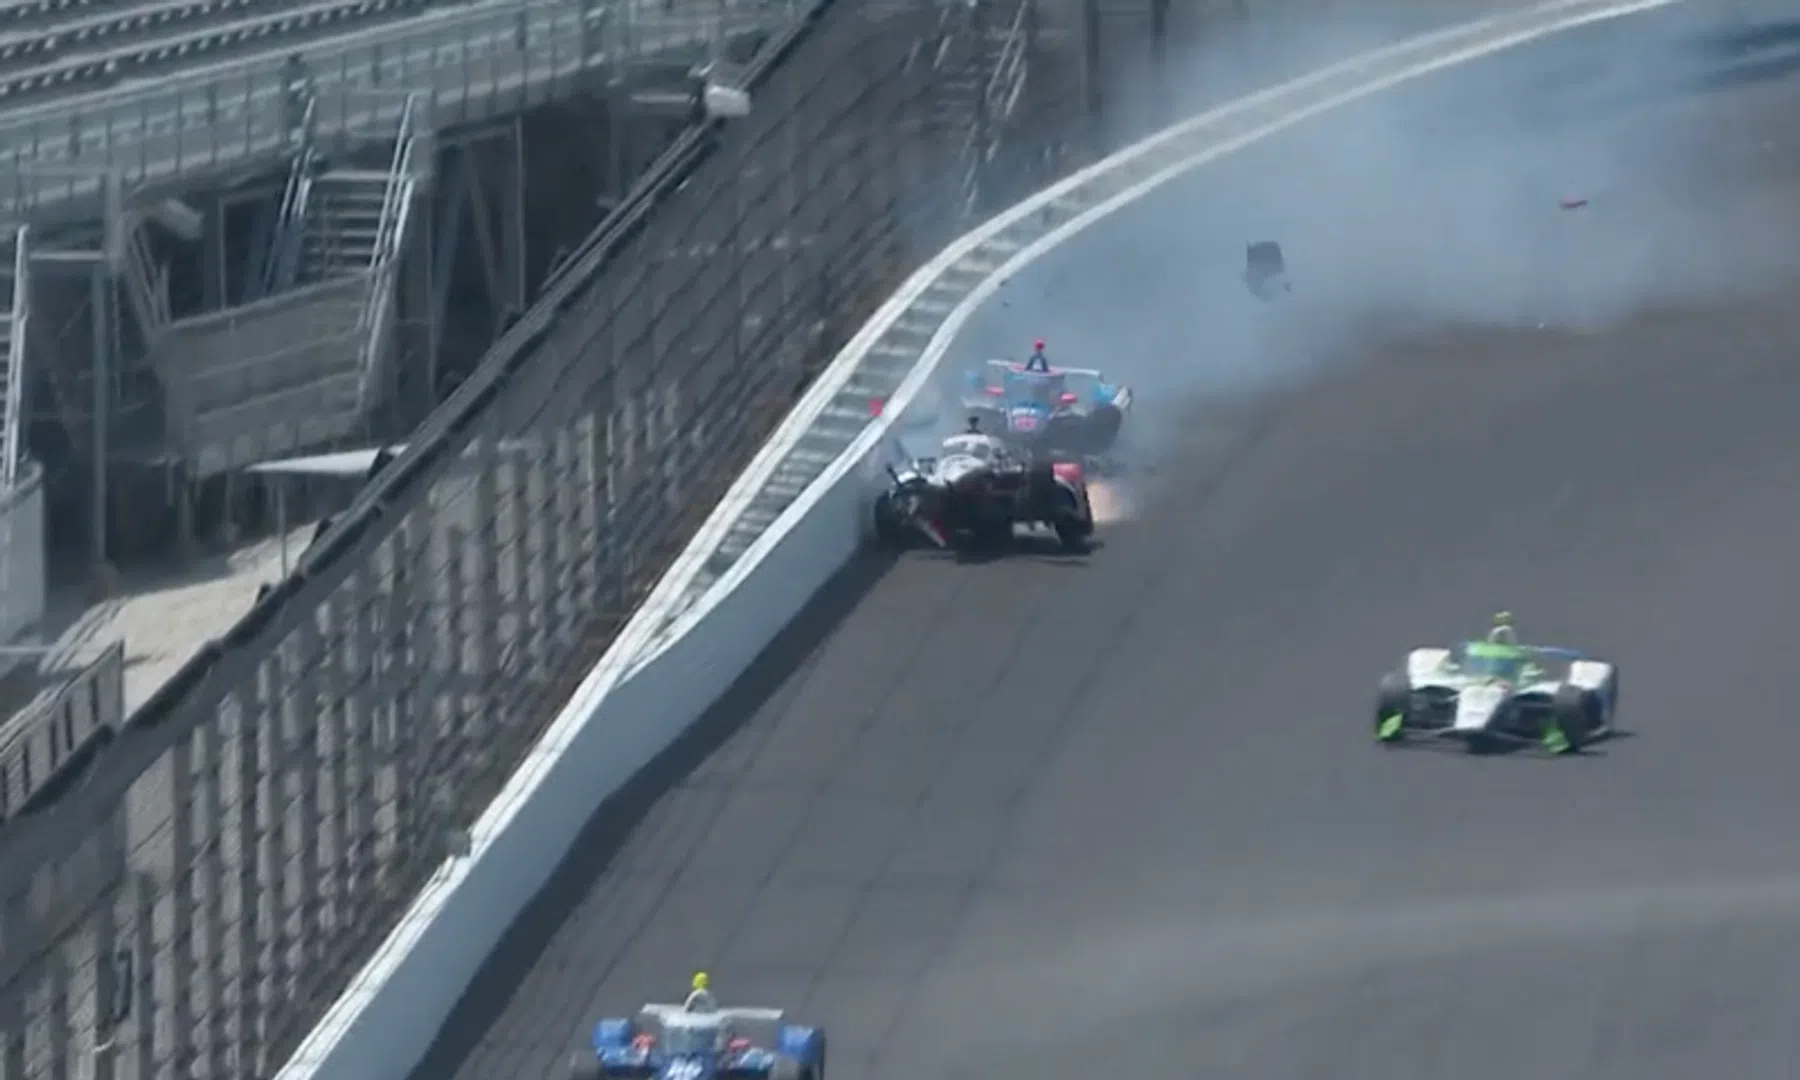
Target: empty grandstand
{"points": [[48, 50], [237, 231]]}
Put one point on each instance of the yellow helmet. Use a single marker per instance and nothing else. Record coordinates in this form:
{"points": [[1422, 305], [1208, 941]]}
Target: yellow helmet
{"points": [[701, 982]]}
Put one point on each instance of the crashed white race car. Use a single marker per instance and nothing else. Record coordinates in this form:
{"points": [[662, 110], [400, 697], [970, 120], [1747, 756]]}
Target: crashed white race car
{"points": [[1496, 692], [977, 490]]}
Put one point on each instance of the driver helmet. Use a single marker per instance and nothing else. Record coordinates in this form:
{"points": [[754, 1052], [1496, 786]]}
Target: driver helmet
{"points": [[1037, 361], [1502, 632], [700, 997], [974, 425]]}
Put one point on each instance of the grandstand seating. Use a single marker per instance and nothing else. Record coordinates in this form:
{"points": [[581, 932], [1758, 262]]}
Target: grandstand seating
{"points": [[53, 47]]}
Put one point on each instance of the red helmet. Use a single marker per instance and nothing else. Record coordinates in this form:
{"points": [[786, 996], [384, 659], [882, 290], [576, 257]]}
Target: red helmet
{"points": [[1038, 345]]}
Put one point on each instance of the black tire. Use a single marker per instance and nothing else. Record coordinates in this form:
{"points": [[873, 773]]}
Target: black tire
{"points": [[1394, 697], [890, 530], [1067, 433], [789, 1069], [1048, 501], [1104, 425], [1577, 713], [1041, 491], [816, 1071], [583, 1065], [1076, 529], [1071, 535]]}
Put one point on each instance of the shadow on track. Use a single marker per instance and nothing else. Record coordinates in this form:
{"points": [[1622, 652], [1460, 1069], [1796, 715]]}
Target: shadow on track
{"points": [[1597, 748], [1041, 549], [524, 943]]}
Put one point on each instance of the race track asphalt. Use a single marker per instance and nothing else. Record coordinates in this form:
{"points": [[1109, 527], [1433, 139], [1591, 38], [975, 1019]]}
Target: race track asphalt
{"points": [[1121, 815]]}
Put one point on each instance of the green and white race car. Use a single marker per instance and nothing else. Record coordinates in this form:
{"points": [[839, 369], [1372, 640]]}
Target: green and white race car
{"points": [[1495, 692]]}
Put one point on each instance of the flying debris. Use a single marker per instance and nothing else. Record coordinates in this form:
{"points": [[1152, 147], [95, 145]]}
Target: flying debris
{"points": [[1265, 270]]}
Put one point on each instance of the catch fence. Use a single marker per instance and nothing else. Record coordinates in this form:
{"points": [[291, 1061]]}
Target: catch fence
{"points": [[230, 859]]}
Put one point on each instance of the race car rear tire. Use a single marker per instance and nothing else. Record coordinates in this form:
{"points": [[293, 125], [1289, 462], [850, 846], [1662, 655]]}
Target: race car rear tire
{"points": [[1076, 527], [583, 1065], [1104, 424], [891, 529], [789, 1069], [1041, 490], [1071, 534], [1049, 501], [1065, 433], [1576, 713], [1394, 698]]}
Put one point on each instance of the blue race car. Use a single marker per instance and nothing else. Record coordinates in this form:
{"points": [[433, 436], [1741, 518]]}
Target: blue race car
{"points": [[698, 1040], [1035, 406]]}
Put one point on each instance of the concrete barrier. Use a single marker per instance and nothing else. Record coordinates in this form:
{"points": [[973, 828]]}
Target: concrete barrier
{"points": [[666, 669]]}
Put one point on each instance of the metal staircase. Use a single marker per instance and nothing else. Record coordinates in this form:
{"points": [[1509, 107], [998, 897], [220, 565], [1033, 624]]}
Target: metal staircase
{"points": [[145, 283], [14, 326], [290, 222], [345, 212], [303, 366], [386, 243]]}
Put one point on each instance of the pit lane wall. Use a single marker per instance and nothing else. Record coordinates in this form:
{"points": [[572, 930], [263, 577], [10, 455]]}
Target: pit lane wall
{"points": [[701, 629]]}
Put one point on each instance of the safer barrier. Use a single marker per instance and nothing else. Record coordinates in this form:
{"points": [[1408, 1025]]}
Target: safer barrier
{"points": [[679, 654]]}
